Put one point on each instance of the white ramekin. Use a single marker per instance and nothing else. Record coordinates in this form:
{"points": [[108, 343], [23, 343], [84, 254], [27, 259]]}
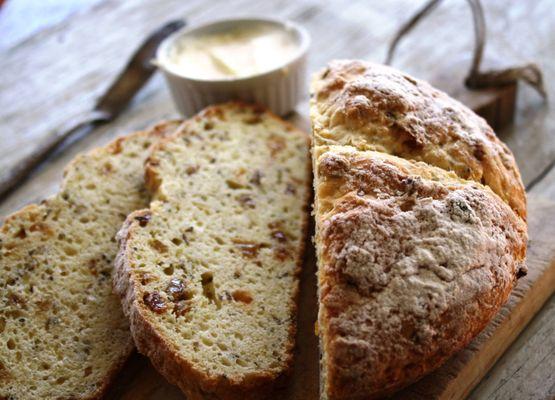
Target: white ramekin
{"points": [[279, 89]]}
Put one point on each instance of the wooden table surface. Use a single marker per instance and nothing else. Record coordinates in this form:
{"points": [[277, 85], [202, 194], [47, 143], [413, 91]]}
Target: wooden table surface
{"points": [[57, 56]]}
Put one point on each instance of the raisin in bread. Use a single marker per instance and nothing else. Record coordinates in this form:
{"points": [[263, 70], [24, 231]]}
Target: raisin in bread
{"points": [[208, 275], [63, 333], [419, 242]]}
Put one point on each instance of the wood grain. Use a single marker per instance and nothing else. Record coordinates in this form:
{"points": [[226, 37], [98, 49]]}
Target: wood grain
{"points": [[55, 72]]}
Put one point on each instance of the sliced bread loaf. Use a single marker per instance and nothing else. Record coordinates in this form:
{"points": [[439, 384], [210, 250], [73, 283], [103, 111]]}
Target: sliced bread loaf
{"points": [[208, 275], [420, 241], [63, 334]]}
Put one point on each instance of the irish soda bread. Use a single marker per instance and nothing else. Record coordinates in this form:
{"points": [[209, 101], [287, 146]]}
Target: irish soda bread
{"points": [[420, 241], [62, 330], [208, 275]]}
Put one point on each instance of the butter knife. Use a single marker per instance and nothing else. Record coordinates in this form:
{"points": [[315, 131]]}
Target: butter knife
{"points": [[133, 77]]}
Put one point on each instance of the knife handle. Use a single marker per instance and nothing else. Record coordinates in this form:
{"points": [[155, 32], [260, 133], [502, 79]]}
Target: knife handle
{"points": [[23, 169]]}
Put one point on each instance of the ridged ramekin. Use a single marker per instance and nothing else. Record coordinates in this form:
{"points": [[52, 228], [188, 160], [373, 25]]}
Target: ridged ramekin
{"points": [[279, 89]]}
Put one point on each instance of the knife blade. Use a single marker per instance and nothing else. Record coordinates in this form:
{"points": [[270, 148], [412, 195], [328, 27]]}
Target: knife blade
{"points": [[131, 79]]}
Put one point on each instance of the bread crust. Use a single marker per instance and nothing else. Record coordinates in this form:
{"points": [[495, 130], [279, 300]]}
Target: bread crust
{"points": [[32, 211], [152, 343], [376, 107], [396, 297]]}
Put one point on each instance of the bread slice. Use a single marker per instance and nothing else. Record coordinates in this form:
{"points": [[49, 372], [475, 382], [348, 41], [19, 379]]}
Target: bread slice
{"points": [[208, 275], [62, 331], [420, 241]]}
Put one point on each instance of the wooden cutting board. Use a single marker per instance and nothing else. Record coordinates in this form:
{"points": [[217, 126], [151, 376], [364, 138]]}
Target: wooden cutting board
{"points": [[454, 380]]}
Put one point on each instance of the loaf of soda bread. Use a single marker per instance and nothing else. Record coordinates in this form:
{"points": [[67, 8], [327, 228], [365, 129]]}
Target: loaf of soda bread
{"points": [[420, 227]]}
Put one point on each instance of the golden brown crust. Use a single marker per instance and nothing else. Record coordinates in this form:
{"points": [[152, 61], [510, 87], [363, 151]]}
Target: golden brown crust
{"points": [[414, 262], [179, 370], [375, 107]]}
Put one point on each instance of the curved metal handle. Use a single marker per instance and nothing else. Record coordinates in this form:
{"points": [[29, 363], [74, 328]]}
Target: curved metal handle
{"points": [[529, 73]]}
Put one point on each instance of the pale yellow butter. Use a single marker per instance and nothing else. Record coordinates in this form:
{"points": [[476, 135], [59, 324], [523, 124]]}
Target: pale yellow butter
{"points": [[236, 53]]}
